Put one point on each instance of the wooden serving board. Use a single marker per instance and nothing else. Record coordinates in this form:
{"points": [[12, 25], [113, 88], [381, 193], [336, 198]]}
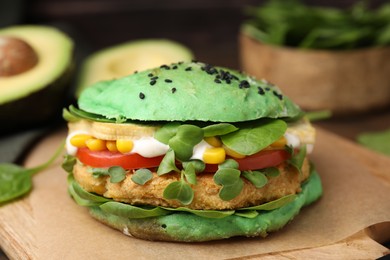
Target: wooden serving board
{"points": [[47, 224]]}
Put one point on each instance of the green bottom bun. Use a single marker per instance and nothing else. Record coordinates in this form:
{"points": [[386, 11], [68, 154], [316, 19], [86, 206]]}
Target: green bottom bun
{"points": [[187, 227]]}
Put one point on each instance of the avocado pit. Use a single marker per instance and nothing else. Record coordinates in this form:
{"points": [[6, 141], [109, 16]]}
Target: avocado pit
{"points": [[16, 56]]}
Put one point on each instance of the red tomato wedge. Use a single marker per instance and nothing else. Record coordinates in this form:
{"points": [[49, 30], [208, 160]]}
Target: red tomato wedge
{"points": [[102, 159], [260, 160]]}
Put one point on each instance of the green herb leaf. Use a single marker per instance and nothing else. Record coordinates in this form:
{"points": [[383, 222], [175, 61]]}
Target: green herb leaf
{"points": [[166, 132], [229, 163], [231, 183], [218, 129], [129, 211], [68, 163], [99, 172], [204, 213], [297, 159], [257, 178], [271, 172], [187, 136], [226, 176], [229, 192], [190, 174], [117, 174], [273, 204], [252, 139], [179, 190], [168, 164], [142, 176], [198, 165]]}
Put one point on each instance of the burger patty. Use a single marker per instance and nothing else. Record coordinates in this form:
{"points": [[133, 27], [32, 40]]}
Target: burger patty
{"points": [[205, 191]]}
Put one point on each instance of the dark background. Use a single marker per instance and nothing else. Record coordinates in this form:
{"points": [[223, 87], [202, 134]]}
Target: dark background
{"points": [[208, 27]]}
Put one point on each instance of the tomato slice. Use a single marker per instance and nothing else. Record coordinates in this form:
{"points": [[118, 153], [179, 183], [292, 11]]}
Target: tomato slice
{"points": [[102, 159], [260, 160]]}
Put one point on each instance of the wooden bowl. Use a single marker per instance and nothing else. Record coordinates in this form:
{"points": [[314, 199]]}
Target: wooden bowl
{"points": [[344, 82]]}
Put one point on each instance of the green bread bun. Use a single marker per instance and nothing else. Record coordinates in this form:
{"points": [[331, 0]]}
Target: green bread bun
{"points": [[187, 91], [186, 227]]}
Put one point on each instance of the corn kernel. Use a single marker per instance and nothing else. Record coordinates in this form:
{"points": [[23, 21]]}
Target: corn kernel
{"points": [[214, 155], [232, 153], [79, 140], [124, 146], [214, 141], [111, 146], [96, 144], [281, 142]]}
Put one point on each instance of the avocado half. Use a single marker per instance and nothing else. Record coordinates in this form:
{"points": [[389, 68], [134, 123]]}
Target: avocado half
{"points": [[36, 95], [126, 58]]}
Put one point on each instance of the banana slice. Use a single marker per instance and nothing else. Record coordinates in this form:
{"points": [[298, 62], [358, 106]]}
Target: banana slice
{"points": [[112, 131]]}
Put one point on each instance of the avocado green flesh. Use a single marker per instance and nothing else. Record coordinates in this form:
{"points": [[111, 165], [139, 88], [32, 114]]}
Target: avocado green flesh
{"points": [[35, 97], [182, 94], [54, 50], [186, 227], [126, 58]]}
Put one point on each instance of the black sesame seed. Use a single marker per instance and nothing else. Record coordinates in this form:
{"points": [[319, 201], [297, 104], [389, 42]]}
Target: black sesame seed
{"points": [[136, 71], [168, 81], [154, 78], [180, 62], [227, 81], [267, 88], [173, 90], [260, 91], [277, 95], [174, 67], [141, 95], [188, 69], [152, 82], [244, 84], [165, 67], [150, 75], [217, 81]]}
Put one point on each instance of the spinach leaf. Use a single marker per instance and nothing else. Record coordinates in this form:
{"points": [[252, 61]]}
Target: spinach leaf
{"points": [[129, 211], [16, 181], [218, 129], [293, 23], [252, 139], [273, 204], [247, 213], [204, 212], [142, 176]]}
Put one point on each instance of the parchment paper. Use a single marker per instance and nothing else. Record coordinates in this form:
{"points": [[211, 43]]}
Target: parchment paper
{"points": [[353, 200]]}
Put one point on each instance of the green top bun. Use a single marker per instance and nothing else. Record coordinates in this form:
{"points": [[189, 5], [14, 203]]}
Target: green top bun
{"points": [[187, 91]]}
